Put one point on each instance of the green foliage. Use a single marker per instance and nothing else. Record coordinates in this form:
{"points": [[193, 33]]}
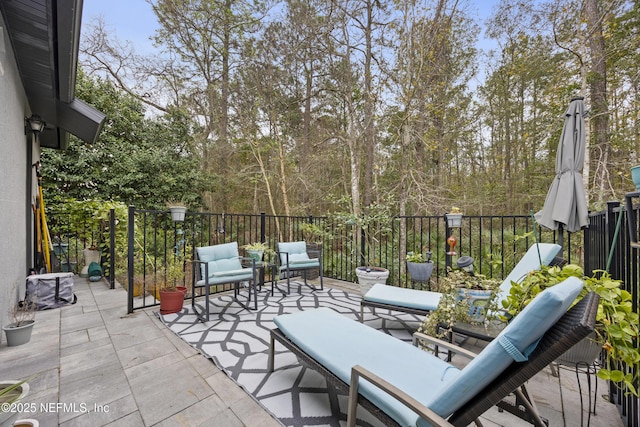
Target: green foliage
{"points": [[313, 233], [135, 160], [451, 308], [371, 228], [617, 323], [418, 256]]}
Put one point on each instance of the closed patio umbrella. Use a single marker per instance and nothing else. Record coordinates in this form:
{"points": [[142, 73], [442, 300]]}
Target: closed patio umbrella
{"points": [[565, 206]]}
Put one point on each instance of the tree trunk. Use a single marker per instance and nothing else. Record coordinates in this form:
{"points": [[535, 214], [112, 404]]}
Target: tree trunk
{"points": [[599, 105]]}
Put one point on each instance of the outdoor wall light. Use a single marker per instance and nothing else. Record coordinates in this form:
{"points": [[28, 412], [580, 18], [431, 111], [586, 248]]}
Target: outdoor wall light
{"points": [[35, 123]]}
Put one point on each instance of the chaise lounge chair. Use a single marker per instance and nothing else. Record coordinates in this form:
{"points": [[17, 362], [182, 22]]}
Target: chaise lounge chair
{"points": [[407, 386], [419, 302]]}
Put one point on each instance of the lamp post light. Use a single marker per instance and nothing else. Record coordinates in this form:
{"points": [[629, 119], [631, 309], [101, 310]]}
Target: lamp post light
{"points": [[453, 220], [36, 124]]}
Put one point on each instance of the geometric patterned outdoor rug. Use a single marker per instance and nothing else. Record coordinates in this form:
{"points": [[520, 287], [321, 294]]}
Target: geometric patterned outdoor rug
{"points": [[237, 341]]}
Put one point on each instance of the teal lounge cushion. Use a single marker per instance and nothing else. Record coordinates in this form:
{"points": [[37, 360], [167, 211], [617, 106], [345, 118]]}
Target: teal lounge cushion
{"points": [[338, 343], [403, 297], [528, 263]]}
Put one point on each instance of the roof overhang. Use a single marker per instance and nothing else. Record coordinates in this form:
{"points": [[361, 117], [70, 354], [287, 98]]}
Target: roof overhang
{"points": [[45, 36]]}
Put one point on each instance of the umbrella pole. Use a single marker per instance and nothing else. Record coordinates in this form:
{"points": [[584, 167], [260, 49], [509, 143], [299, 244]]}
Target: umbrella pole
{"points": [[535, 234], [561, 238]]}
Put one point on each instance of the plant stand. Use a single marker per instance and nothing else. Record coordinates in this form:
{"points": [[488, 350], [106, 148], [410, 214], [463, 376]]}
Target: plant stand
{"points": [[583, 358]]}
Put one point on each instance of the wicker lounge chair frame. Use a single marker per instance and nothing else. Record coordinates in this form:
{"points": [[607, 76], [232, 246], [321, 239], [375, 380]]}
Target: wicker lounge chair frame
{"points": [[572, 327]]}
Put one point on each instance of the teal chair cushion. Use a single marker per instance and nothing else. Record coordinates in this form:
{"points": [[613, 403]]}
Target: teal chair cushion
{"points": [[298, 257], [222, 259]]}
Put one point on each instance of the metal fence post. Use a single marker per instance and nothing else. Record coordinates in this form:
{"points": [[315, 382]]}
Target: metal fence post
{"points": [[130, 247], [263, 226], [112, 248]]}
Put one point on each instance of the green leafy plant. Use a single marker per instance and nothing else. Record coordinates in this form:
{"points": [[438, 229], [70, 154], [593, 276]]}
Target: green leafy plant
{"points": [[11, 392], [454, 303], [313, 233], [261, 246], [418, 256], [616, 322]]}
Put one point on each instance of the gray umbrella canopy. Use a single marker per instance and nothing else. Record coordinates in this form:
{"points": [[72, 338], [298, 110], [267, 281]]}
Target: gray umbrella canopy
{"points": [[566, 204]]}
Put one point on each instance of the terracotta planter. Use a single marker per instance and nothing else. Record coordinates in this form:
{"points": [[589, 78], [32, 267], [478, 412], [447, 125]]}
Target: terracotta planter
{"points": [[171, 301]]}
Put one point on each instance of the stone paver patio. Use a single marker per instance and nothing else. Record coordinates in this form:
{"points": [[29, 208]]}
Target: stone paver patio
{"points": [[94, 364]]}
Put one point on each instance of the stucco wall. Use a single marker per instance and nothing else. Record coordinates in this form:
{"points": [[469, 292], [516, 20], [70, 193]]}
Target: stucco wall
{"points": [[14, 166]]}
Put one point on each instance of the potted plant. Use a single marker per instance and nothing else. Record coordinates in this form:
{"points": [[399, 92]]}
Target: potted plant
{"points": [[10, 393], [454, 217], [367, 232], [466, 298], [22, 315], [177, 210], [616, 322], [256, 250], [168, 280], [420, 266]]}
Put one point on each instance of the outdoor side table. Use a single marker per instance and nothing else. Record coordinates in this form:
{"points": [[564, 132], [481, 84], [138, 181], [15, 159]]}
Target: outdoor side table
{"points": [[263, 268]]}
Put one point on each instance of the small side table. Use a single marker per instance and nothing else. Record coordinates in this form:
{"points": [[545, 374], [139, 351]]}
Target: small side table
{"points": [[263, 267]]}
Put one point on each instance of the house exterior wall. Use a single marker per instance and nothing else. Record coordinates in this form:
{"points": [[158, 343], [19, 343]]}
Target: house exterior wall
{"points": [[16, 157]]}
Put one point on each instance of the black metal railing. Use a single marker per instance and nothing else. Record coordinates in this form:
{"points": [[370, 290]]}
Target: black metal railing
{"points": [[495, 242], [608, 246]]}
